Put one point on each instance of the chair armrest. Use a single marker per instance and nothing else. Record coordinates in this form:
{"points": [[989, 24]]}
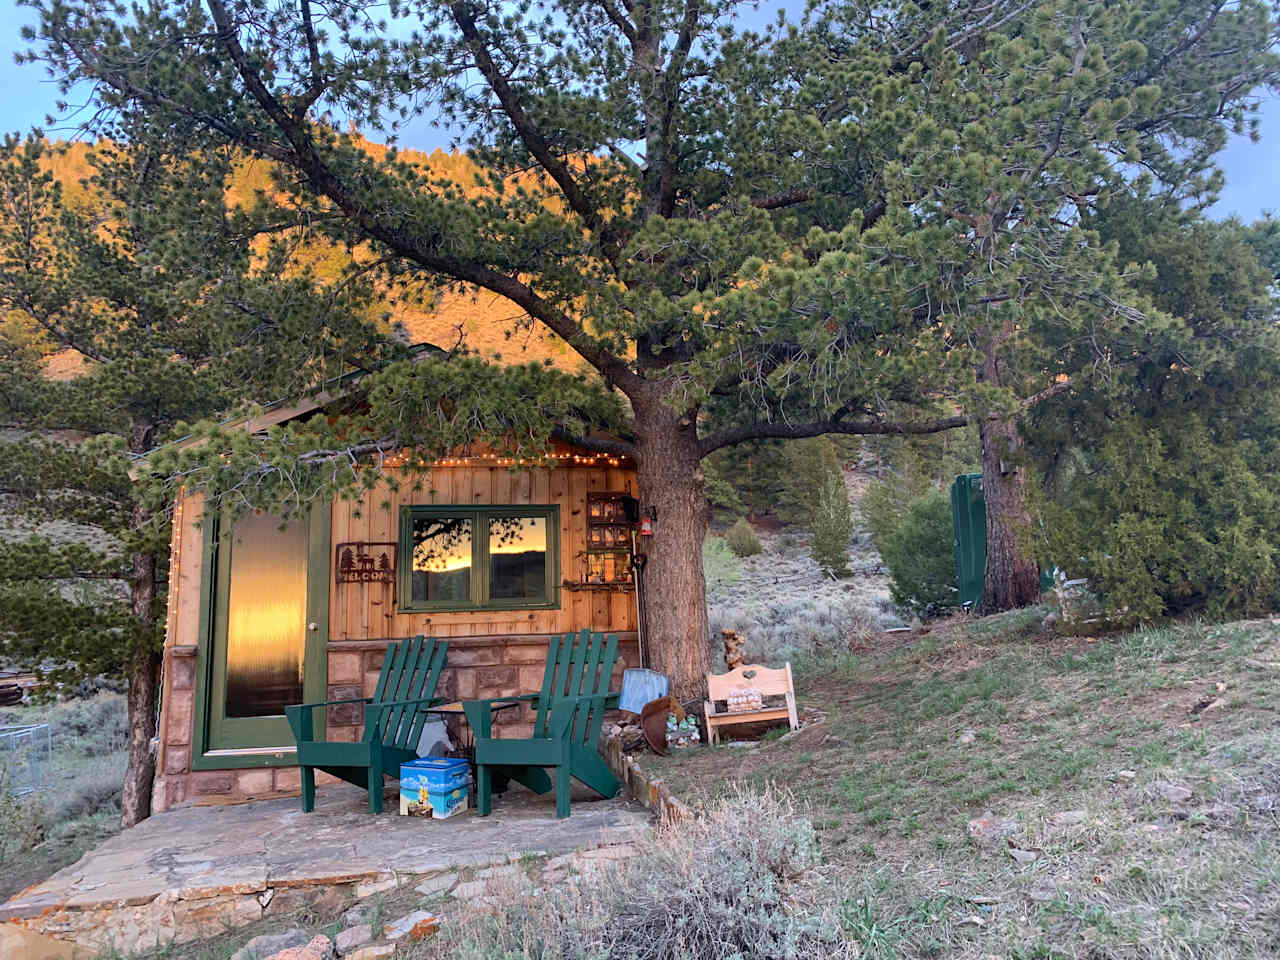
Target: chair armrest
{"points": [[563, 710]]}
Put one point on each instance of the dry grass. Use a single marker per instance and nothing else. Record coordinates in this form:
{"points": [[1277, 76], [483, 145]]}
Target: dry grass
{"points": [[788, 609], [922, 736], [739, 881], [77, 805]]}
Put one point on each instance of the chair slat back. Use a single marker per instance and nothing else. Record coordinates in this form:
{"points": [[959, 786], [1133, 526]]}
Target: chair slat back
{"points": [[556, 653], [599, 672], [410, 670], [576, 666], [752, 676], [433, 658]]}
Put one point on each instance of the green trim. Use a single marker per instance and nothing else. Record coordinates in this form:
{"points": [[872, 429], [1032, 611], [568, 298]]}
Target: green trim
{"points": [[479, 515], [208, 588], [242, 761], [266, 732]]}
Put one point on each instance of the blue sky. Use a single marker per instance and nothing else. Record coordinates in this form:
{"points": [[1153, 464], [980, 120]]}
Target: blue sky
{"points": [[1252, 170]]}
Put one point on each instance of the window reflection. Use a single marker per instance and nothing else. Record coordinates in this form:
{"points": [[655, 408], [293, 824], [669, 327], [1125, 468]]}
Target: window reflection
{"points": [[266, 618], [441, 558], [517, 558]]}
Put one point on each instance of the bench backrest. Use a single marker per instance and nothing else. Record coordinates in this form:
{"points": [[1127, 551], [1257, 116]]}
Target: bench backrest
{"points": [[410, 671], [577, 666], [752, 676]]}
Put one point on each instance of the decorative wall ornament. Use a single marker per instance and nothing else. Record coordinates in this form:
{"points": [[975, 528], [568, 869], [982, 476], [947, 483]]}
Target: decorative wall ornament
{"points": [[363, 562]]}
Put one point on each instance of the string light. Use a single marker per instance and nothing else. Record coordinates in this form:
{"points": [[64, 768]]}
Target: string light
{"points": [[175, 562]]}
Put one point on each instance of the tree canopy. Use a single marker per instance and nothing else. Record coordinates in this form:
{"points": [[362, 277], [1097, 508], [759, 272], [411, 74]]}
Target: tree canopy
{"points": [[156, 285], [872, 222]]}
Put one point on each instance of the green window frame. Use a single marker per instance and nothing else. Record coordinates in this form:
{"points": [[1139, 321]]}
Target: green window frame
{"points": [[480, 517]]}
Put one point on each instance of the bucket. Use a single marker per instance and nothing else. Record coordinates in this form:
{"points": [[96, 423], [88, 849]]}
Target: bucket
{"points": [[640, 687]]}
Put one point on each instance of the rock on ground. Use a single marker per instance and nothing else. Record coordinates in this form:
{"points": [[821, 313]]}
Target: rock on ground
{"points": [[989, 827], [437, 884], [348, 940], [270, 943], [416, 926], [374, 951], [1172, 792], [320, 948]]}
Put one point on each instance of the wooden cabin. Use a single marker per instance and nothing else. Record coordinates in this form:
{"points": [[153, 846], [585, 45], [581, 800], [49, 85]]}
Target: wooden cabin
{"points": [[496, 556]]}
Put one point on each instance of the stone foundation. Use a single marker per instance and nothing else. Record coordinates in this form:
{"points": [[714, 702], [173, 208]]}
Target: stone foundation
{"points": [[192, 872], [641, 785]]}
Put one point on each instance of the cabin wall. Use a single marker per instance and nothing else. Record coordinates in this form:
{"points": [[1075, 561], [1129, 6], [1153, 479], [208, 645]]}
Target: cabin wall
{"points": [[367, 611], [491, 653]]}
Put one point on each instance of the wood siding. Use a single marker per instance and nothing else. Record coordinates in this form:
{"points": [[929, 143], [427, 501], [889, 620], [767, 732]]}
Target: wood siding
{"points": [[368, 611]]}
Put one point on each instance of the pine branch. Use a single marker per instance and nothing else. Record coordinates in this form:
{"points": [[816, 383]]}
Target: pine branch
{"points": [[816, 428]]}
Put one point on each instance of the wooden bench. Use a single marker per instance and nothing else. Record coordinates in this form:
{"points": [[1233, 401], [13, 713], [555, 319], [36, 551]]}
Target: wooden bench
{"points": [[770, 683]]}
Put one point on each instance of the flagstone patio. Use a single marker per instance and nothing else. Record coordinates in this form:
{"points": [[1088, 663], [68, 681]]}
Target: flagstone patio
{"points": [[195, 870]]}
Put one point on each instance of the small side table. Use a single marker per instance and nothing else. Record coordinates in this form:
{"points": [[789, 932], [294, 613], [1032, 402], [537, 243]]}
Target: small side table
{"points": [[467, 748]]}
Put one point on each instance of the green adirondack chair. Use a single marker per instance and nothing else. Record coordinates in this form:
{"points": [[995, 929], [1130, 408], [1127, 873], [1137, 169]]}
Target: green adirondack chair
{"points": [[569, 712], [393, 721]]}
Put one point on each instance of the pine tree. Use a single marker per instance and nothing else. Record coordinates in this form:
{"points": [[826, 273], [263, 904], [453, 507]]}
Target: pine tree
{"points": [[832, 525], [863, 225], [1161, 483], [150, 288]]}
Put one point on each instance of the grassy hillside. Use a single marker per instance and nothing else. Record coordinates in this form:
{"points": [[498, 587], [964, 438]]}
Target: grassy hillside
{"points": [[76, 806], [986, 789]]}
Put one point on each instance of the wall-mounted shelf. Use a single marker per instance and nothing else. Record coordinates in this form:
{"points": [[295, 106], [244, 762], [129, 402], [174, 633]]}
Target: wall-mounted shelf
{"points": [[608, 552], [575, 585]]}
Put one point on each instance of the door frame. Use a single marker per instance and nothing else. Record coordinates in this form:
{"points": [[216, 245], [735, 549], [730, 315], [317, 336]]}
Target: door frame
{"points": [[315, 670]]}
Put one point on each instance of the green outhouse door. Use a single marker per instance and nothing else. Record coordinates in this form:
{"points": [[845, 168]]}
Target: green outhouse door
{"points": [[969, 521]]}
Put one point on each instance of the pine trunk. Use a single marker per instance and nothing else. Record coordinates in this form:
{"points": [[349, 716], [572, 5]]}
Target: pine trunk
{"points": [[1012, 578], [143, 668], [670, 476], [139, 774]]}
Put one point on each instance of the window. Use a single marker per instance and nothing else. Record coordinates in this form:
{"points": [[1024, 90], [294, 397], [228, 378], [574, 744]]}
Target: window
{"points": [[478, 558]]}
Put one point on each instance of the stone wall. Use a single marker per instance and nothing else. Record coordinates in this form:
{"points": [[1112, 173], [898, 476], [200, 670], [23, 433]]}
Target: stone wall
{"points": [[478, 668]]}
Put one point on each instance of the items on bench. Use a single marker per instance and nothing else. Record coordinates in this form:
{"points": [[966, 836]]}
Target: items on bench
{"points": [[393, 721], [758, 680]]}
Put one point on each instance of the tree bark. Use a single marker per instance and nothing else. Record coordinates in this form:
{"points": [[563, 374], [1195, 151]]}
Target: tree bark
{"points": [[143, 668], [139, 774], [670, 475], [1012, 579]]}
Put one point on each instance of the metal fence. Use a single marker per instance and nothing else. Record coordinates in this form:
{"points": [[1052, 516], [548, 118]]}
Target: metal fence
{"points": [[24, 757]]}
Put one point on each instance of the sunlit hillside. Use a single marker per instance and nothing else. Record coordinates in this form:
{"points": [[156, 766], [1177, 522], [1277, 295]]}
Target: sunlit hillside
{"points": [[479, 320]]}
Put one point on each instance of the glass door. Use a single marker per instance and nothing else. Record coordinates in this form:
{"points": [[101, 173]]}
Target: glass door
{"points": [[270, 603]]}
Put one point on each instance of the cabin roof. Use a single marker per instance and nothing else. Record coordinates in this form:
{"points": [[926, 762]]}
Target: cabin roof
{"points": [[284, 410]]}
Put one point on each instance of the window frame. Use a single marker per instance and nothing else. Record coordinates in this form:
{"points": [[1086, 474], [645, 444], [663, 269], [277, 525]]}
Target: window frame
{"points": [[480, 573]]}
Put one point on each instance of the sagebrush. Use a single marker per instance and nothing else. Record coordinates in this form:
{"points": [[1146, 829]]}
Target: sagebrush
{"points": [[742, 539], [736, 881]]}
